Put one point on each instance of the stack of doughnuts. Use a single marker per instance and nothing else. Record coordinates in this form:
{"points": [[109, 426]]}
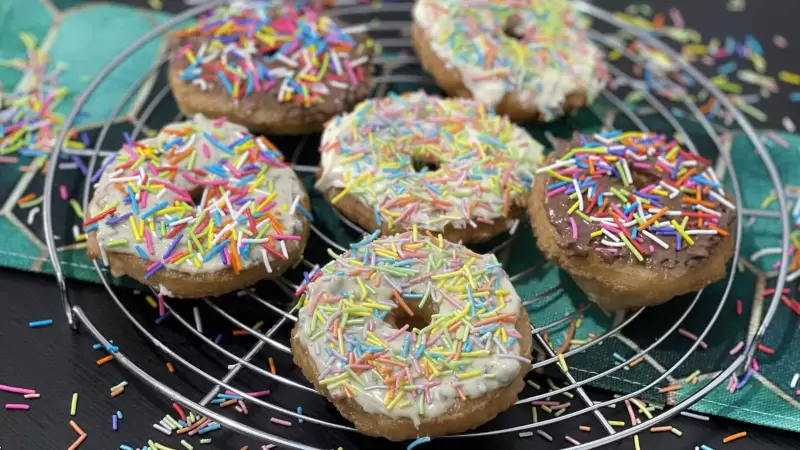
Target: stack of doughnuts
{"points": [[410, 332]]}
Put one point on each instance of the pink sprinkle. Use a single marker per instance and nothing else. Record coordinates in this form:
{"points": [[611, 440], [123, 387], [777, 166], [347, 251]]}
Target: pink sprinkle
{"points": [[755, 365], [780, 41], [161, 311], [571, 440], [206, 151], [17, 406], [9, 159], [148, 241], [556, 191], [63, 190], [692, 336], [16, 390], [258, 393], [677, 18], [736, 349], [268, 447], [219, 121], [285, 423], [574, 228], [286, 237]]}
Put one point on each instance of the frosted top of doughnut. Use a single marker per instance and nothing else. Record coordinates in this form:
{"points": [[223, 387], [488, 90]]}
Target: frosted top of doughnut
{"points": [[636, 197], [536, 50], [201, 196], [250, 47], [485, 162], [468, 348]]}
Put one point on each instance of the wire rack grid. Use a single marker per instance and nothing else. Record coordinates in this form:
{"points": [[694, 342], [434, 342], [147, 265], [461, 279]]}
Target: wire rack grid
{"points": [[398, 67]]}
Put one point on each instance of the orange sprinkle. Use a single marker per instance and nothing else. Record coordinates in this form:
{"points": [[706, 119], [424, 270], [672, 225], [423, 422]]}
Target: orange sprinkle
{"points": [[652, 219], [660, 429], [403, 303], [117, 392], [76, 427], [674, 387], [506, 203], [227, 403], [585, 428], [104, 360], [634, 363], [26, 198], [78, 442], [498, 318], [719, 230], [734, 437], [686, 176], [570, 333], [170, 367], [272, 365], [240, 332]]}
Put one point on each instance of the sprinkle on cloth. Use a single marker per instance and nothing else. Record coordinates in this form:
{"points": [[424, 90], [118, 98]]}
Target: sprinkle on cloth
{"points": [[146, 202], [469, 347], [378, 154], [637, 196], [536, 50], [294, 55]]}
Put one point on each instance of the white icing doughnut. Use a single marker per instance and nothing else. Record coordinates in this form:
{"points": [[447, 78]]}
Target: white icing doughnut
{"points": [[199, 197], [468, 348], [485, 162], [541, 51]]}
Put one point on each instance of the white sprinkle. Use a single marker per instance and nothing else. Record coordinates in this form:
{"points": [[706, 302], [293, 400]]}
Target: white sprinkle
{"points": [[355, 29], [788, 124], [544, 435], [722, 200], [32, 215], [578, 191], [197, 323], [559, 164], [103, 254], [693, 232], [514, 226], [612, 244], [294, 205], [793, 276], [795, 378], [610, 235], [162, 429], [694, 416], [75, 231], [266, 260], [283, 250], [655, 239]]}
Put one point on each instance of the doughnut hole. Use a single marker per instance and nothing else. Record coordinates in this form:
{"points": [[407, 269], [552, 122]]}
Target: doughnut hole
{"points": [[424, 163], [513, 27], [421, 318]]}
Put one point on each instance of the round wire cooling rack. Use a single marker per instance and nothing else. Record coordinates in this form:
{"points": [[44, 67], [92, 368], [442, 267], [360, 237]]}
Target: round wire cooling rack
{"points": [[398, 69]]}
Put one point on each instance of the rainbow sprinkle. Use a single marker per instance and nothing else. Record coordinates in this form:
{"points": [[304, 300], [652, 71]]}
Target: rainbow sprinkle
{"points": [[537, 50], [638, 195], [147, 200], [296, 55], [468, 343], [378, 154]]}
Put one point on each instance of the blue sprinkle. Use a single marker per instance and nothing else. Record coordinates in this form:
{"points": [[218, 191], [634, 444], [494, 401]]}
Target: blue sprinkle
{"points": [[40, 323], [420, 441]]}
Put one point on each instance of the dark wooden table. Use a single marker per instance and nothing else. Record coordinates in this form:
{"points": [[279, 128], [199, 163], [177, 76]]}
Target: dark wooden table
{"points": [[57, 362]]}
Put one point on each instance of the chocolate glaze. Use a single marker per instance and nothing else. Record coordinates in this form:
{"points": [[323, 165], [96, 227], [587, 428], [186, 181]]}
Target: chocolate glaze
{"points": [[688, 256], [336, 101]]}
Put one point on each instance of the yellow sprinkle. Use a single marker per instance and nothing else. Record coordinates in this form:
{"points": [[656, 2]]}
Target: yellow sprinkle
{"points": [[616, 423], [562, 363], [151, 301], [680, 230], [789, 77], [470, 374], [636, 442]]}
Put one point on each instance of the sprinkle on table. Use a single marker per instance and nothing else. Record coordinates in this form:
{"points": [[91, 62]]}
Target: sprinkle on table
{"points": [[73, 408], [40, 323]]}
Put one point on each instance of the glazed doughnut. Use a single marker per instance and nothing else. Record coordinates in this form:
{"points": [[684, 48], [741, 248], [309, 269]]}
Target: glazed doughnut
{"points": [[202, 209], [279, 71], [530, 60], [410, 335], [634, 218], [446, 165]]}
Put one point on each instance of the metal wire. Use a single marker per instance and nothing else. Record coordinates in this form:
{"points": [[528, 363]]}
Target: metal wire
{"points": [[285, 284]]}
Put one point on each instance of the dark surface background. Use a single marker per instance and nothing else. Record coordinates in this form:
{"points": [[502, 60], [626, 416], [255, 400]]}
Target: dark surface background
{"points": [[57, 361]]}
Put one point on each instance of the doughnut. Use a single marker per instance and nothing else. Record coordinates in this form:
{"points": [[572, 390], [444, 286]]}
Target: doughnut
{"points": [[202, 209], [530, 60], [449, 166], [634, 218], [278, 71], [411, 335]]}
